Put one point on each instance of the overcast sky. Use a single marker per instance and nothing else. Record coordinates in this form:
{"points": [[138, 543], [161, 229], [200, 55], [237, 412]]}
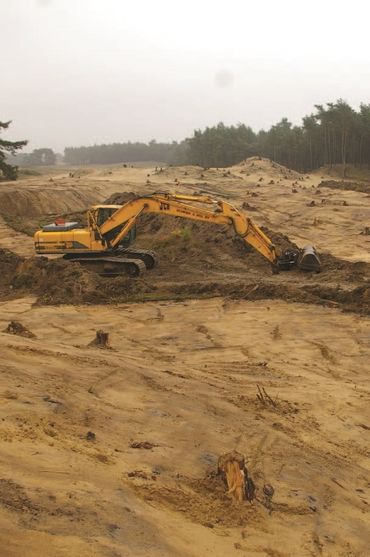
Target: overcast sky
{"points": [[79, 72]]}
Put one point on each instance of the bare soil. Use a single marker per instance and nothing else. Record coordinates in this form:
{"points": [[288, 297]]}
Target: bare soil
{"points": [[363, 187], [114, 452]]}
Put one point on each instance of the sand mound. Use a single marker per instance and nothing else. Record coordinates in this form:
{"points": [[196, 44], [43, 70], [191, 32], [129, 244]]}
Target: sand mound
{"points": [[178, 172], [266, 167], [347, 186], [55, 281], [175, 237], [122, 197], [62, 282], [26, 202], [9, 261]]}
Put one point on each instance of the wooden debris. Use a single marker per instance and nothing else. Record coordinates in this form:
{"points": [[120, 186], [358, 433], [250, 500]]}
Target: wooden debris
{"points": [[265, 398], [143, 445], [101, 340], [268, 493], [234, 472]]}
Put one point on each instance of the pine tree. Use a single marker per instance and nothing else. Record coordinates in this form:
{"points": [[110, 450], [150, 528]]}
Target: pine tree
{"points": [[9, 171]]}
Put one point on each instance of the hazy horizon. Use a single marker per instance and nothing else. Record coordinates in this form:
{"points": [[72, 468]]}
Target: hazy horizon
{"points": [[85, 72]]}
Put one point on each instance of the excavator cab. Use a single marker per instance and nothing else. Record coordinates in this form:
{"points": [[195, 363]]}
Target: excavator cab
{"points": [[101, 213]]}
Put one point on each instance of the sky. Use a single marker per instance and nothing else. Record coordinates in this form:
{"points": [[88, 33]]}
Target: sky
{"points": [[80, 72]]}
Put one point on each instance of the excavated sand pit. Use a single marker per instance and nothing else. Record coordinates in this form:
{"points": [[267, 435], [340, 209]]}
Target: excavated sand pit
{"points": [[198, 261], [114, 452]]}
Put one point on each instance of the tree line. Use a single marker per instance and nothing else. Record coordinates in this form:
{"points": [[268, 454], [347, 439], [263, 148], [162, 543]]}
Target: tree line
{"points": [[170, 153], [334, 133], [38, 157]]}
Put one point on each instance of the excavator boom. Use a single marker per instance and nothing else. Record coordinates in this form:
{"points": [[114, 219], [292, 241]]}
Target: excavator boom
{"points": [[179, 206]]}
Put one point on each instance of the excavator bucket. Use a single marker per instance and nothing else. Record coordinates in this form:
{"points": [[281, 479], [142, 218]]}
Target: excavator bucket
{"points": [[308, 260]]}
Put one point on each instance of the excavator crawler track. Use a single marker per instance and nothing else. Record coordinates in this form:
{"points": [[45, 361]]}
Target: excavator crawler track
{"points": [[148, 257], [112, 266]]}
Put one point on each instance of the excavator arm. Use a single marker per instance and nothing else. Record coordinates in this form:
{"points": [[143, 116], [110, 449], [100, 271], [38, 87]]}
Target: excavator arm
{"points": [[121, 222]]}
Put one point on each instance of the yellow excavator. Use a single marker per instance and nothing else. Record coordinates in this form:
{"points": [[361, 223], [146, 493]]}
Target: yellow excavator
{"points": [[104, 244]]}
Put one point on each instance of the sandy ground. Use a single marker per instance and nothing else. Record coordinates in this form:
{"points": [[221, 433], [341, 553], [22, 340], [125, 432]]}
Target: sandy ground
{"points": [[188, 386], [183, 376], [333, 224]]}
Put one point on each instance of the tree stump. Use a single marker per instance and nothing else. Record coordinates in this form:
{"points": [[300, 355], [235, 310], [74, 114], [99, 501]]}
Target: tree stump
{"points": [[16, 328], [235, 475], [101, 340]]}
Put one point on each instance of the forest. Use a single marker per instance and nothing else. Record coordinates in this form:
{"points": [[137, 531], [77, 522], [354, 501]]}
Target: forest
{"points": [[334, 133], [170, 153]]}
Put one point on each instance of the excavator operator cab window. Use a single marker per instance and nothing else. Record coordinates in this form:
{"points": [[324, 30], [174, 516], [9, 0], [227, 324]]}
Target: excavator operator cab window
{"points": [[129, 238], [104, 213]]}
